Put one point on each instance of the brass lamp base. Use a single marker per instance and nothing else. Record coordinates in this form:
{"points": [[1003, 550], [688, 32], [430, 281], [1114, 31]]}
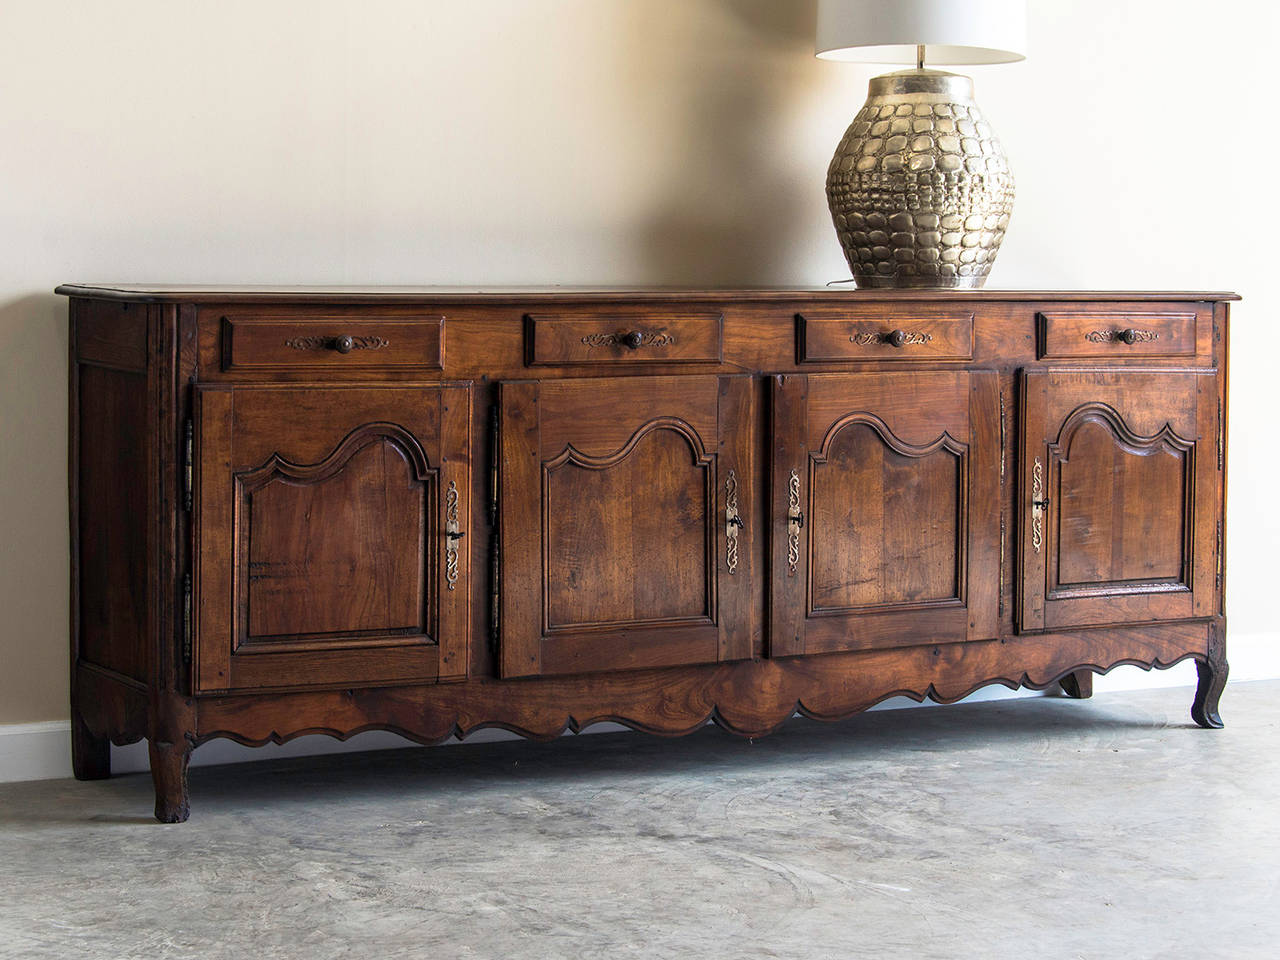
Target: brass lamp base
{"points": [[919, 188]]}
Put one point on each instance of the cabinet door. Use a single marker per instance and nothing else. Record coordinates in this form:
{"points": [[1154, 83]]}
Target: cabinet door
{"points": [[1118, 494], [328, 526], [625, 523], [885, 505]]}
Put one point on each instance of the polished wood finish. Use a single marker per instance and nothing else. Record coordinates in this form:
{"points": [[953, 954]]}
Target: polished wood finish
{"points": [[1116, 332], [897, 487], [567, 293], [625, 337], [329, 345], [169, 772], [1078, 685], [526, 517], [112, 548], [1119, 477], [926, 332], [749, 698], [112, 336], [615, 547], [90, 755], [335, 533]]}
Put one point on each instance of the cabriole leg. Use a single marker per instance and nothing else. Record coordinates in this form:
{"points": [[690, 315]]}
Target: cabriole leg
{"points": [[169, 774], [1213, 678], [90, 755], [1078, 685]]}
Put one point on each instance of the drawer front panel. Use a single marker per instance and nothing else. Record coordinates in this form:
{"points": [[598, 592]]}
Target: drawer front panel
{"points": [[1116, 334], [876, 334], [252, 343], [624, 337]]}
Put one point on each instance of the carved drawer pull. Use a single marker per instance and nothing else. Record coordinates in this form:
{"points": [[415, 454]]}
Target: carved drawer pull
{"points": [[1039, 504], [894, 338], [453, 533], [732, 522], [632, 340], [343, 343], [1130, 336]]}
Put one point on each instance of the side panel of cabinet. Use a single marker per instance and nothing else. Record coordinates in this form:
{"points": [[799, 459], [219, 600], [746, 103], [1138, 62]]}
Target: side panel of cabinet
{"points": [[327, 524], [885, 510], [623, 534], [1118, 486]]}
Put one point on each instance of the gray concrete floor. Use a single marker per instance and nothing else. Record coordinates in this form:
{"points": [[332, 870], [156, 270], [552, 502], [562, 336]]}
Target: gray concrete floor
{"points": [[1040, 828]]}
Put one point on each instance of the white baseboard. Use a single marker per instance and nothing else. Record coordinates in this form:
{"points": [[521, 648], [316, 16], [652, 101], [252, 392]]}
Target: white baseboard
{"points": [[35, 751], [42, 751]]}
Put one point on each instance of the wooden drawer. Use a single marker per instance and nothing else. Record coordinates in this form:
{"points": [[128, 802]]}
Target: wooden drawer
{"points": [[874, 333], [1116, 333], [340, 342], [622, 337]]}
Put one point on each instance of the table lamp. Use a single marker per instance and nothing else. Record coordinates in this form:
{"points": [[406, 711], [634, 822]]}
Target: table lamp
{"points": [[919, 188]]}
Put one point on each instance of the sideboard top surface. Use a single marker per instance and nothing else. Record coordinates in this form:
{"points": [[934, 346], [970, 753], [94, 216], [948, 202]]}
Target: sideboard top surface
{"points": [[208, 293]]}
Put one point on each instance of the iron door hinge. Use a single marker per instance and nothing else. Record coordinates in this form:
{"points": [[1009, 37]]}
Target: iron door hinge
{"points": [[1220, 432], [495, 566], [1217, 577], [1004, 436], [495, 607], [188, 463], [494, 454], [186, 618], [1000, 575]]}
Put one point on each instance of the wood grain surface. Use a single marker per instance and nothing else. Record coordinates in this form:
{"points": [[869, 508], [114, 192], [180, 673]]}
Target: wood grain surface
{"points": [[515, 513]]}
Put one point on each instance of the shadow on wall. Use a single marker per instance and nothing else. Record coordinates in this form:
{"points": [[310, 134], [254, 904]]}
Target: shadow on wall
{"points": [[24, 328], [33, 542], [729, 206]]}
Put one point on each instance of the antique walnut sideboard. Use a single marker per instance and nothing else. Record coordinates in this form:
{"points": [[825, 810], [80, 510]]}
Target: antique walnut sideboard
{"points": [[430, 510]]}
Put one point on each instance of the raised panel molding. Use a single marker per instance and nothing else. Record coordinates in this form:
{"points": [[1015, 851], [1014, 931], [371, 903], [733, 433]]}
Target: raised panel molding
{"points": [[335, 488], [351, 444], [944, 444], [612, 543], [1131, 444], [1109, 416], [571, 454], [1127, 512], [646, 533], [890, 439], [357, 589], [942, 430]]}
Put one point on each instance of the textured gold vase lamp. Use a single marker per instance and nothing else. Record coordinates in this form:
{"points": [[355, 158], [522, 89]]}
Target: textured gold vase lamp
{"points": [[919, 188]]}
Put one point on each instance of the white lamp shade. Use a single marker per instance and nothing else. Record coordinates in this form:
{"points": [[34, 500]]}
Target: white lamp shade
{"points": [[952, 31]]}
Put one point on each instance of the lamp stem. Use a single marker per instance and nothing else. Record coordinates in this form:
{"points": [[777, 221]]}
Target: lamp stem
{"points": [[919, 56]]}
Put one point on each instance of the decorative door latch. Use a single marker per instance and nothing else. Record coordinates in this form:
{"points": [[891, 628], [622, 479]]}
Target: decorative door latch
{"points": [[453, 533], [1039, 504], [795, 523], [732, 522]]}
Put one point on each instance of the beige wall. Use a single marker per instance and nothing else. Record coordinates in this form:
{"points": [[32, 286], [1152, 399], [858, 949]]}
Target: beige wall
{"points": [[598, 141]]}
